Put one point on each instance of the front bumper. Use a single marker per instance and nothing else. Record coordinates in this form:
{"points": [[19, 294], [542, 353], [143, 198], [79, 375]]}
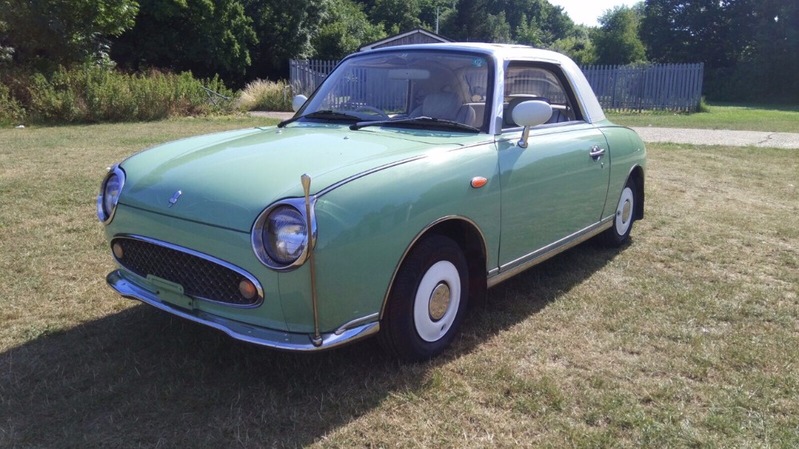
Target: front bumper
{"points": [[287, 341]]}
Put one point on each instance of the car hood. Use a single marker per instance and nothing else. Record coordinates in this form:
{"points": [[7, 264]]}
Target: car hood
{"points": [[227, 179]]}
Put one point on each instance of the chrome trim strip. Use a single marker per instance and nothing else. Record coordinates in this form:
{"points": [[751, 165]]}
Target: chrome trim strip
{"points": [[200, 255], [344, 181], [287, 341], [357, 322], [515, 267], [306, 189], [362, 174], [113, 170]]}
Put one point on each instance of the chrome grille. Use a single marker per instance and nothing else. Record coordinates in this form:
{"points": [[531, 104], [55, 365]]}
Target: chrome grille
{"points": [[200, 277]]}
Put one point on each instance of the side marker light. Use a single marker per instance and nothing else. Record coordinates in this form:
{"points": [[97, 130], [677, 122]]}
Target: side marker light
{"points": [[478, 181]]}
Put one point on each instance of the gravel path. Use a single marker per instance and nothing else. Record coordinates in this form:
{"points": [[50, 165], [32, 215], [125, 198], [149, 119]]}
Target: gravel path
{"points": [[675, 135], [719, 137]]}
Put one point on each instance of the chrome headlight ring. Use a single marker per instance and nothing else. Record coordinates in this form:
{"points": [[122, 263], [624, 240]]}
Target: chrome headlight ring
{"points": [[110, 190], [280, 235]]}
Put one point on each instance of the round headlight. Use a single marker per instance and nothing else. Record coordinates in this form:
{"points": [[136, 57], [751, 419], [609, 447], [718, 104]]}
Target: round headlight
{"points": [[281, 237], [109, 194], [285, 235]]}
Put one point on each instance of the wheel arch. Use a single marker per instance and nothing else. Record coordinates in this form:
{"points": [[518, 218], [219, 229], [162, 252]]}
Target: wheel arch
{"points": [[637, 175], [468, 236]]}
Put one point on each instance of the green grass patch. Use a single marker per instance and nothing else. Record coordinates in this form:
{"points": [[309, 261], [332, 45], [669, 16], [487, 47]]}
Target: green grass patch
{"points": [[719, 116], [685, 338]]}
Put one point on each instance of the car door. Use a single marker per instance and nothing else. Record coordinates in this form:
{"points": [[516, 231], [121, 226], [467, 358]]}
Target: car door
{"points": [[557, 185]]}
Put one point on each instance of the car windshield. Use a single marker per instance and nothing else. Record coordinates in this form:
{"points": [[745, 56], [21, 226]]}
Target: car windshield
{"points": [[395, 88]]}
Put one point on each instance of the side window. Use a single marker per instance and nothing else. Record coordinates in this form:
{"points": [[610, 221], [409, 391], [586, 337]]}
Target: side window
{"points": [[532, 82]]}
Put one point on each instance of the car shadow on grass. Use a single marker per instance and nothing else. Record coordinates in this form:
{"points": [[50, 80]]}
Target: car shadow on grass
{"points": [[143, 378]]}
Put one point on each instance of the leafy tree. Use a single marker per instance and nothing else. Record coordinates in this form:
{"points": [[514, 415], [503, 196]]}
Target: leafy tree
{"points": [[467, 24], [690, 31], [44, 34], [678, 31], [432, 10], [497, 29], [344, 29], [578, 46], [529, 32], [396, 16], [536, 17], [531, 22], [285, 29], [536, 22], [750, 48], [768, 59], [616, 40], [6, 53], [558, 23], [206, 37]]}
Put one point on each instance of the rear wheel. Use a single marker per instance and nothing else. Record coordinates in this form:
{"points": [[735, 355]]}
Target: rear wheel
{"points": [[427, 301], [624, 216]]}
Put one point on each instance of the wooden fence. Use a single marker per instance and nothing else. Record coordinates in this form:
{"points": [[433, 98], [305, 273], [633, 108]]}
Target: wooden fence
{"points": [[307, 74], [668, 87]]}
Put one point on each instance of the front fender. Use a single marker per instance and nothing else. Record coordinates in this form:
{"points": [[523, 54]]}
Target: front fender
{"points": [[366, 225]]}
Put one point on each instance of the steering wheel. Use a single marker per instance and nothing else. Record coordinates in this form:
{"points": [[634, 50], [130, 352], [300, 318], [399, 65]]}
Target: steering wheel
{"points": [[372, 109]]}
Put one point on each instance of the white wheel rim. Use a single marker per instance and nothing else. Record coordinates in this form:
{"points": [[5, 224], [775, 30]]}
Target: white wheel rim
{"points": [[439, 293], [624, 211]]}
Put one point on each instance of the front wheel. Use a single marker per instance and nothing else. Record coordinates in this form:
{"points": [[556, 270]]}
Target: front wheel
{"points": [[624, 216], [427, 301]]}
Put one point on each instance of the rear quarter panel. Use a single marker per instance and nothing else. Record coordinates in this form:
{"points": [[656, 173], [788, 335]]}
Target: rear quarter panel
{"points": [[627, 151]]}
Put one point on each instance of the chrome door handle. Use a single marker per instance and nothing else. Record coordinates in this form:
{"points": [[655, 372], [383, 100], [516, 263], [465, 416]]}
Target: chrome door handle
{"points": [[596, 152]]}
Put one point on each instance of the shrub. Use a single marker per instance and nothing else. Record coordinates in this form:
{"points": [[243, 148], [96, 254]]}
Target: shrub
{"points": [[703, 106], [265, 95], [96, 94], [11, 112]]}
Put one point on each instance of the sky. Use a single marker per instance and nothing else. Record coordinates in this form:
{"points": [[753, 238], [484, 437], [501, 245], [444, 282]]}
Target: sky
{"points": [[587, 11]]}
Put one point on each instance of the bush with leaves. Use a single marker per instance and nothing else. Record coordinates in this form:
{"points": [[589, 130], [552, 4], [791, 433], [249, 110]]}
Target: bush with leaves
{"points": [[11, 112], [91, 94]]}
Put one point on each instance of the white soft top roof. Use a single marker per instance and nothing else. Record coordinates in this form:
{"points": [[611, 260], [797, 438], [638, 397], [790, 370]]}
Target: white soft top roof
{"points": [[505, 53]]}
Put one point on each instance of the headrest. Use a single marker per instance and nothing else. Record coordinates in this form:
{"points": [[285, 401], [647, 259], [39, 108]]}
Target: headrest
{"points": [[443, 105]]}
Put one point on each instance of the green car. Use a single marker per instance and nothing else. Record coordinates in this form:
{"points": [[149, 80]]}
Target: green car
{"points": [[410, 182]]}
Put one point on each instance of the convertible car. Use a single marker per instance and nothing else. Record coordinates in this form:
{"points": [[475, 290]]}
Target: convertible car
{"points": [[411, 181]]}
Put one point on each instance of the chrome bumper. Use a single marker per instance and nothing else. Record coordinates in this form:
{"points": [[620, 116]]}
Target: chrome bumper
{"points": [[240, 331]]}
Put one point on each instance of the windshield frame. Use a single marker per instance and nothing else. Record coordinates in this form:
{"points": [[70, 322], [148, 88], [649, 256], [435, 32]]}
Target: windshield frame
{"points": [[315, 102]]}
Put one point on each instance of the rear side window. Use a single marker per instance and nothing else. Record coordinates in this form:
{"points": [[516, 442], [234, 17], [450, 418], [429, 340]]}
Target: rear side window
{"points": [[534, 82]]}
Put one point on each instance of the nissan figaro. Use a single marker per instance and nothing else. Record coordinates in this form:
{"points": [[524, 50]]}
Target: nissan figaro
{"points": [[412, 180]]}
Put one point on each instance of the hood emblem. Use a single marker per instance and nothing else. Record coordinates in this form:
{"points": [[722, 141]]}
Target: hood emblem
{"points": [[175, 197]]}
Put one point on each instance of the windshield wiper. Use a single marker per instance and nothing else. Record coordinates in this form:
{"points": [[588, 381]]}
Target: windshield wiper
{"points": [[418, 122], [326, 114]]}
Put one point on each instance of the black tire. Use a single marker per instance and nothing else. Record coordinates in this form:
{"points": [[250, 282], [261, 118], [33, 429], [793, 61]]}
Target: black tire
{"points": [[623, 217], [427, 300]]}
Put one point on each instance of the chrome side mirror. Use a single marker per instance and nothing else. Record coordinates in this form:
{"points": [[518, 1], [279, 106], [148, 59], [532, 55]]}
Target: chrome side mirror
{"points": [[529, 114], [298, 101]]}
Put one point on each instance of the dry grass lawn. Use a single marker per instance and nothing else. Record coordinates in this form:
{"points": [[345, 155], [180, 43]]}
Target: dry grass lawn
{"points": [[687, 337]]}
